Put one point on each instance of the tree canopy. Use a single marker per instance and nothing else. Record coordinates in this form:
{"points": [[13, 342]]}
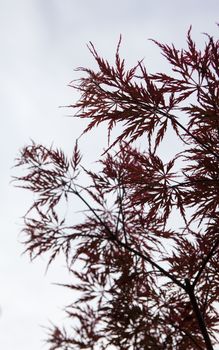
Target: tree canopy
{"points": [[148, 275]]}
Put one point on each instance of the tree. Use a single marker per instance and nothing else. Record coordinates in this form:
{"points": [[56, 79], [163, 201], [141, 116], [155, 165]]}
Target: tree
{"points": [[148, 244]]}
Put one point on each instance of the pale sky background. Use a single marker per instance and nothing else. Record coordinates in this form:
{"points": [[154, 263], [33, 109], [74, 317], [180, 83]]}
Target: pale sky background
{"points": [[42, 41]]}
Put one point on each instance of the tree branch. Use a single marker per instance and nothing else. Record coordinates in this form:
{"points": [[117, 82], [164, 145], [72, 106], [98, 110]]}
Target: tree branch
{"points": [[205, 261], [113, 238], [164, 114], [198, 314]]}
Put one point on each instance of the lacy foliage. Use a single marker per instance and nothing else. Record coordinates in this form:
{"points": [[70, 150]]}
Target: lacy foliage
{"points": [[149, 224]]}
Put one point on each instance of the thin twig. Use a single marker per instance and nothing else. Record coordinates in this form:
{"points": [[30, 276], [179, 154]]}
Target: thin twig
{"points": [[205, 261]]}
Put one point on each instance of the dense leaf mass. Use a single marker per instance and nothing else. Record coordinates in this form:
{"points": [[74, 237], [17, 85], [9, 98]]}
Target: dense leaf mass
{"points": [[148, 247]]}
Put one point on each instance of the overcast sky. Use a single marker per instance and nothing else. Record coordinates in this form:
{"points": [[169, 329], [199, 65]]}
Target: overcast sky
{"points": [[42, 41]]}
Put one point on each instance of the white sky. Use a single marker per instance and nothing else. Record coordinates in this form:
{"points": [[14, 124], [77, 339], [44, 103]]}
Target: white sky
{"points": [[42, 41]]}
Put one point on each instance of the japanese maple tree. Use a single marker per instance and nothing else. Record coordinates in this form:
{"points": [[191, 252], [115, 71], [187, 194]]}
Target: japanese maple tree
{"points": [[144, 261]]}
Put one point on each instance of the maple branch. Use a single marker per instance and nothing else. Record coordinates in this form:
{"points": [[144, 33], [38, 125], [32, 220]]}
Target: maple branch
{"points": [[198, 314], [113, 238], [188, 288], [164, 114], [154, 264], [173, 118], [205, 261]]}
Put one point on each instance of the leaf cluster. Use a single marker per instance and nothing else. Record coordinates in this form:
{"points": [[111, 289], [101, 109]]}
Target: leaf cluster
{"points": [[150, 224]]}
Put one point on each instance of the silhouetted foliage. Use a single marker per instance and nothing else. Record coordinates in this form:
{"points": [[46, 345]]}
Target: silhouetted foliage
{"points": [[148, 276]]}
